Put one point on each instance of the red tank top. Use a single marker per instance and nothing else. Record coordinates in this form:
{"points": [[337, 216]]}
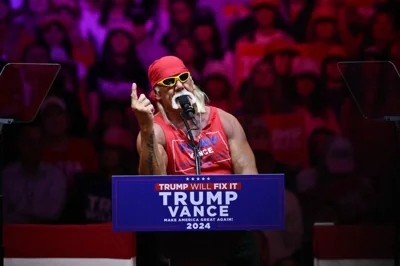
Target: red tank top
{"points": [[213, 147]]}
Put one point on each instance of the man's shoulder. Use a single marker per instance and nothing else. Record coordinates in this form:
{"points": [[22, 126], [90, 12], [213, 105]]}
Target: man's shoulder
{"points": [[224, 114], [229, 122], [227, 118]]}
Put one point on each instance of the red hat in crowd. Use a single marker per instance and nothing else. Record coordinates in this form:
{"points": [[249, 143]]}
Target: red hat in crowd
{"points": [[164, 67]]}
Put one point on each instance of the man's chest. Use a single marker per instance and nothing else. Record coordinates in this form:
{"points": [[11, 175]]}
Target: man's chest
{"points": [[212, 146]]}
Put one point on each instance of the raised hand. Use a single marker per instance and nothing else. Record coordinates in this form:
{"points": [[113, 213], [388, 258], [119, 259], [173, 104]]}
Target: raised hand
{"points": [[143, 109]]}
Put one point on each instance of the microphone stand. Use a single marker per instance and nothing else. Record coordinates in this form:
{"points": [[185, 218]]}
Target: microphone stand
{"points": [[196, 152]]}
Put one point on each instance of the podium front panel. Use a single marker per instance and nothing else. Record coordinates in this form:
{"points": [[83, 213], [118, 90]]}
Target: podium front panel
{"points": [[198, 203]]}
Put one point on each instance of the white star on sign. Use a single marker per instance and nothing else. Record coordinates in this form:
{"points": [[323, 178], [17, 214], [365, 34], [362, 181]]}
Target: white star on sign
{"points": [[187, 179], [198, 178], [208, 178], [203, 178], [192, 178]]}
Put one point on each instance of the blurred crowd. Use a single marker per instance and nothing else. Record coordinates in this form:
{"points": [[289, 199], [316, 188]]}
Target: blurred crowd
{"points": [[273, 64]]}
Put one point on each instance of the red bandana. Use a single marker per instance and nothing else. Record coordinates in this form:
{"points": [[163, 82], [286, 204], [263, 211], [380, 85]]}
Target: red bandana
{"points": [[165, 67]]}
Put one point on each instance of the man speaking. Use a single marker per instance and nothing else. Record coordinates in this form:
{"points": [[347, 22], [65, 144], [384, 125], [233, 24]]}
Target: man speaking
{"points": [[165, 149]]}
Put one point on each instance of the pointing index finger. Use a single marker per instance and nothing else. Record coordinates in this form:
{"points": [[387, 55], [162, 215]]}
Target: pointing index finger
{"points": [[134, 96]]}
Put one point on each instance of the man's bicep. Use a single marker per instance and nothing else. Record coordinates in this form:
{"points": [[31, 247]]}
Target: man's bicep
{"points": [[242, 156], [164, 156]]}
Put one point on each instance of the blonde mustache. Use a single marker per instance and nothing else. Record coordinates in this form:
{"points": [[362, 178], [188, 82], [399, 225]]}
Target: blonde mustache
{"points": [[174, 101]]}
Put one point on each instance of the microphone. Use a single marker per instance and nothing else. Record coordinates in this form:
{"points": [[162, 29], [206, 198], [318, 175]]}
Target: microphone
{"points": [[187, 108]]}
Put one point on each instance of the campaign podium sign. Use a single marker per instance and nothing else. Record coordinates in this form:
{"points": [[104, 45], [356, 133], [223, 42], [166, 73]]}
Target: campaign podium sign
{"points": [[198, 203]]}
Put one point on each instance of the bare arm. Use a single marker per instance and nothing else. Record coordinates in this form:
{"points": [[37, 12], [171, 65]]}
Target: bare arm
{"points": [[153, 157], [242, 156]]}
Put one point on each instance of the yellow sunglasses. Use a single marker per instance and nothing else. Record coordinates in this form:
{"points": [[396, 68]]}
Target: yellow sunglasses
{"points": [[171, 81]]}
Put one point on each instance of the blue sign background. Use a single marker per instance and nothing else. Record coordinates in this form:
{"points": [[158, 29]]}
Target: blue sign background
{"points": [[137, 205]]}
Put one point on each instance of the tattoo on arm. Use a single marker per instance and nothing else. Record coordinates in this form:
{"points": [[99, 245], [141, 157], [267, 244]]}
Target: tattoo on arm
{"points": [[150, 158]]}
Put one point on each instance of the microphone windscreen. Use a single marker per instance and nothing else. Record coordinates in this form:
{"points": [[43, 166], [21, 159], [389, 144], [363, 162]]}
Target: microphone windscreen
{"points": [[183, 100]]}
